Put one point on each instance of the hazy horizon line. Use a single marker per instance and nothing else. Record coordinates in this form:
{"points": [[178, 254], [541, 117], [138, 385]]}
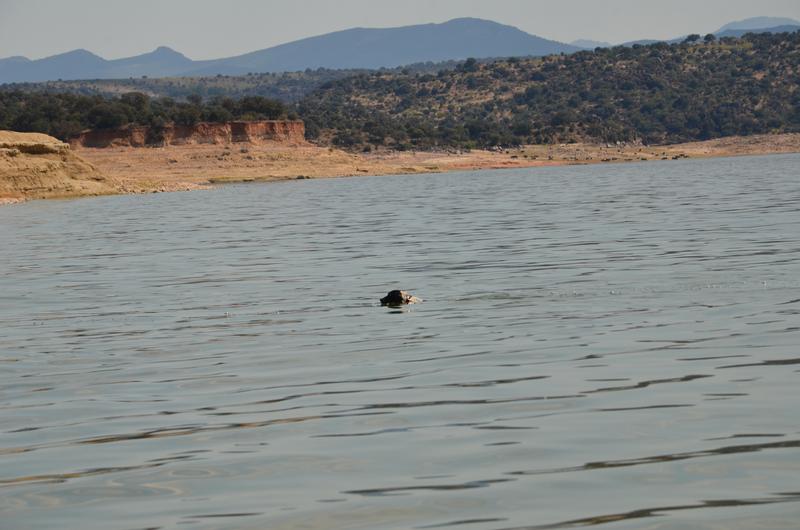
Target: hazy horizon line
{"points": [[160, 46], [184, 27]]}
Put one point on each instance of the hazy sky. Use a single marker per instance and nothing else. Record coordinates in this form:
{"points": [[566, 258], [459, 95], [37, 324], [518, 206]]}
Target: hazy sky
{"points": [[203, 29]]}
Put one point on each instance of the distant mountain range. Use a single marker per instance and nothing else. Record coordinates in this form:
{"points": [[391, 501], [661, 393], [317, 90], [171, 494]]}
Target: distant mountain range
{"points": [[353, 48], [358, 48], [737, 29], [758, 23], [589, 44]]}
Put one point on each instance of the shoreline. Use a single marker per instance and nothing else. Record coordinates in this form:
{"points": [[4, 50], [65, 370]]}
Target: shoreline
{"points": [[202, 166]]}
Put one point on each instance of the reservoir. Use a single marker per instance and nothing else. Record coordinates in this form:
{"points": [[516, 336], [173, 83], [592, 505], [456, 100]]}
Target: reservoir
{"points": [[612, 346]]}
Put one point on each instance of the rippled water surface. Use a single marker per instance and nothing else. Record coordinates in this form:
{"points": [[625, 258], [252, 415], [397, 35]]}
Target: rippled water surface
{"points": [[607, 345]]}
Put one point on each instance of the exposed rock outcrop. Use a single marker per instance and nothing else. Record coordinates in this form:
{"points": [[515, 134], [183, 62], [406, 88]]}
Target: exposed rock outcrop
{"points": [[285, 132], [37, 166]]}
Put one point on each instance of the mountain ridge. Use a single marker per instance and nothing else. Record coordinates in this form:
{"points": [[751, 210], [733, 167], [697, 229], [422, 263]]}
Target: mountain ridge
{"points": [[354, 48], [758, 23], [456, 39], [737, 33]]}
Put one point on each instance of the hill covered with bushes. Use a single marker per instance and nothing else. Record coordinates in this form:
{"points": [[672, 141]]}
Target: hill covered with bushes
{"points": [[660, 93], [65, 115]]}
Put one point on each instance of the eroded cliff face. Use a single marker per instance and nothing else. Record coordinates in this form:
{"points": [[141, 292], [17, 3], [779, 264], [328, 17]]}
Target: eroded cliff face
{"points": [[37, 166], [285, 132]]}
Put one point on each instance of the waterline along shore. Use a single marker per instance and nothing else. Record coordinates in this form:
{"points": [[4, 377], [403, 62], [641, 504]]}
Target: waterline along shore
{"points": [[121, 170]]}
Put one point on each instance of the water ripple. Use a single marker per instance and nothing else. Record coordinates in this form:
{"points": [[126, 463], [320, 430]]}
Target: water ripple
{"points": [[597, 346]]}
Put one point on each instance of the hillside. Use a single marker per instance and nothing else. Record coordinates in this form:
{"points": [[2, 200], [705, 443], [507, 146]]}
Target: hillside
{"points": [[288, 87], [655, 94], [356, 48], [66, 116], [391, 47], [83, 64]]}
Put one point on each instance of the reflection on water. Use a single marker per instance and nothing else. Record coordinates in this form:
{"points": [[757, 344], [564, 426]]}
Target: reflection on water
{"points": [[606, 346]]}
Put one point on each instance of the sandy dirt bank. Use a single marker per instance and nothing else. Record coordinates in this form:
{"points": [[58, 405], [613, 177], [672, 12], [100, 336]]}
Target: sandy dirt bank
{"points": [[37, 166], [189, 167], [185, 167]]}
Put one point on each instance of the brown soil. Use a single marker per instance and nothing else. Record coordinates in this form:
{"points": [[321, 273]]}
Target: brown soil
{"points": [[197, 166], [722, 147], [192, 165], [189, 166], [37, 166]]}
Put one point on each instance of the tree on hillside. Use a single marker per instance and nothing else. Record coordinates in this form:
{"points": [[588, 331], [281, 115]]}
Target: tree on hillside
{"points": [[470, 65], [106, 116]]}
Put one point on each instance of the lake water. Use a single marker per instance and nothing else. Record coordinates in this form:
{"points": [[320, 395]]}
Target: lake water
{"points": [[612, 345]]}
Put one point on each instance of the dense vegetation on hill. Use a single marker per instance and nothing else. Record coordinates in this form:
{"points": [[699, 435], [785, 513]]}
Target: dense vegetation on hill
{"points": [[661, 93], [288, 87], [65, 115]]}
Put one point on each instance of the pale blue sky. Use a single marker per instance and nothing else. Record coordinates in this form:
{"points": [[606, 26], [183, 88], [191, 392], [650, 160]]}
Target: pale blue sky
{"points": [[204, 29]]}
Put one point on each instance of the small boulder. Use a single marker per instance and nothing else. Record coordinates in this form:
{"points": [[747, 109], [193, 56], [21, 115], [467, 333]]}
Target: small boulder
{"points": [[397, 298]]}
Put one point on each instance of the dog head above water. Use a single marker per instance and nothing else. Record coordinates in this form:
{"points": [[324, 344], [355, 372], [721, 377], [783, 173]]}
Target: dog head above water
{"points": [[397, 298]]}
